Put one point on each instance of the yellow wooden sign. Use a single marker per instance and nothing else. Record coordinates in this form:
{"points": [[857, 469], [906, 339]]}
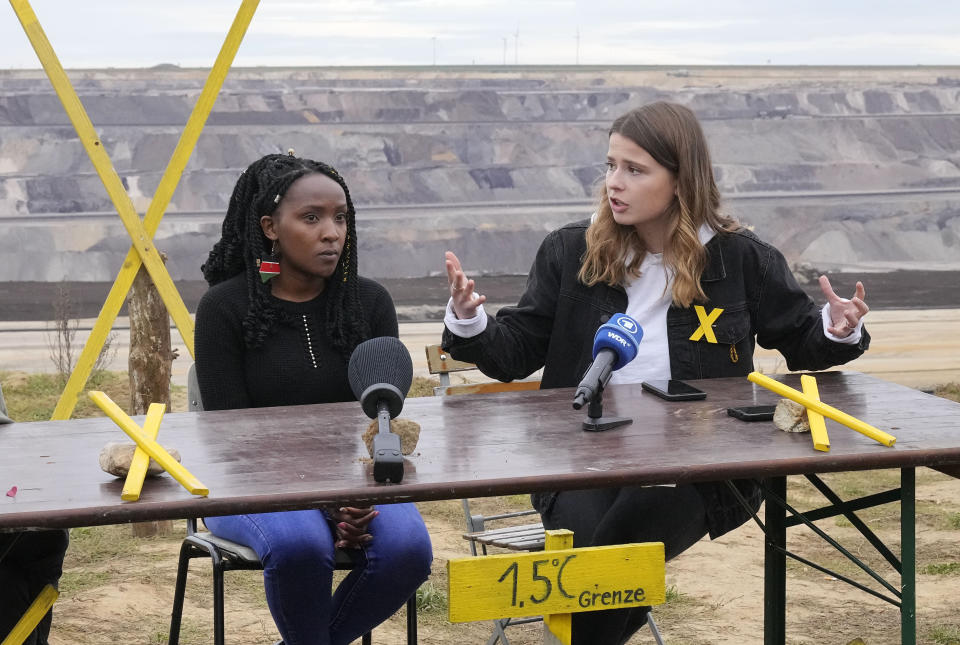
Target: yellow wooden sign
{"points": [[554, 582]]}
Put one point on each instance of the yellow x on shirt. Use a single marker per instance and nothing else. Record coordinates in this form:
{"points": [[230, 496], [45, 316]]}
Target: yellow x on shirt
{"points": [[706, 320]]}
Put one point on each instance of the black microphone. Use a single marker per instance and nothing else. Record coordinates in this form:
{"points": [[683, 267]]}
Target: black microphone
{"points": [[380, 373], [614, 345]]}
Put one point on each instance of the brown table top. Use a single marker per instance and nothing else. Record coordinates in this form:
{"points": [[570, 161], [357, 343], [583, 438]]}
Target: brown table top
{"points": [[288, 458]]}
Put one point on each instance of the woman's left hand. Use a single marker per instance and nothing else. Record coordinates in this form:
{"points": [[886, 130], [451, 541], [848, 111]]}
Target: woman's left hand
{"points": [[845, 314], [352, 526]]}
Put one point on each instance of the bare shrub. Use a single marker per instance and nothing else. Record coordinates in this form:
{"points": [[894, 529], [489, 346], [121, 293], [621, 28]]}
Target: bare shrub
{"points": [[61, 337]]}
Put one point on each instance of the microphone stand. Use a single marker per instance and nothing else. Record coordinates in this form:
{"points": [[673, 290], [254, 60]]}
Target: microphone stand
{"points": [[387, 460], [595, 421]]}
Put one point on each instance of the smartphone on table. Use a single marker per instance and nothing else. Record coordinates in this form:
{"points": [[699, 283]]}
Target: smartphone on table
{"points": [[752, 412], [674, 390]]}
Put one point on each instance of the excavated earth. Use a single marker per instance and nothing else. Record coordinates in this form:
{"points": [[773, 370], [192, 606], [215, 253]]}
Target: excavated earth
{"points": [[846, 170]]}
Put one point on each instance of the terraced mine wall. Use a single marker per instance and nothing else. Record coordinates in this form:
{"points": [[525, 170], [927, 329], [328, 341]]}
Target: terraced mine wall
{"points": [[842, 168]]}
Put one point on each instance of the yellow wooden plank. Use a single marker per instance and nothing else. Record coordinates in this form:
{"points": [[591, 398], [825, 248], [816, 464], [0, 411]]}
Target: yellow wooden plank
{"points": [[826, 410], [152, 448], [34, 614], [161, 199], [818, 428], [560, 626], [567, 581], [141, 460]]}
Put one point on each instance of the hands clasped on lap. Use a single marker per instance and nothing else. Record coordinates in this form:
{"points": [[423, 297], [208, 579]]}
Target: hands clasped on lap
{"points": [[351, 526]]}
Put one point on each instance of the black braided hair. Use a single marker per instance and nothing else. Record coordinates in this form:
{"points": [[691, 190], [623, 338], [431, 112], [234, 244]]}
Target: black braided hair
{"points": [[242, 243]]}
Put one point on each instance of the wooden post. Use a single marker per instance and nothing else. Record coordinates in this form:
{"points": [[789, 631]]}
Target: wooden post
{"points": [[149, 364], [557, 627]]}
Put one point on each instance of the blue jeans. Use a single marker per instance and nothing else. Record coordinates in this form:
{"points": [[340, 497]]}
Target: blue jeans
{"points": [[297, 551]]}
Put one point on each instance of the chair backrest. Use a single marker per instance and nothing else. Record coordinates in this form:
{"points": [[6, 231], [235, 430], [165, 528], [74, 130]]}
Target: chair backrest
{"points": [[440, 362], [194, 402]]}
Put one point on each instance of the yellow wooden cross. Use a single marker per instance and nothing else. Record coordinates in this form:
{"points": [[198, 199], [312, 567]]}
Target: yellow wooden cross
{"points": [[141, 233], [148, 444], [706, 320], [814, 403], [34, 614]]}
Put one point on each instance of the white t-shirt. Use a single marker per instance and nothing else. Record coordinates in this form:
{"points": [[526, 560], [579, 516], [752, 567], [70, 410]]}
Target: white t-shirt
{"points": [[648, 299]]}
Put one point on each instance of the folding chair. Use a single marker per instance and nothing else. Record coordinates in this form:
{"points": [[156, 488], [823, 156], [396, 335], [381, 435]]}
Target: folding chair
{"points": [[483, 530], [227, 555]]}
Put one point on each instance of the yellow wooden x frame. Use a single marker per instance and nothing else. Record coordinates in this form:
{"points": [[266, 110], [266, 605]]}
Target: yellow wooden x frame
{"points": [[148, 444], [141, 233], [706, 320], [813, 403]]}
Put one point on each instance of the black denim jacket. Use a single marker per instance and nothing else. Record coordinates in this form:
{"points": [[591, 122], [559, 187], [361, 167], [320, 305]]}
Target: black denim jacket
{"points": [[554, 323]]}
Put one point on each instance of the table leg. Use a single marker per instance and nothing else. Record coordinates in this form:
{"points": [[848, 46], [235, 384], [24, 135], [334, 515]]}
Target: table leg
{"points": [[775, 566], [908, 557]]}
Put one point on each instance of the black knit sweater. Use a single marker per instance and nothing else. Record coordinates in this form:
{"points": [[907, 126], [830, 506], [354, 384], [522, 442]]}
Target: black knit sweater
{"points": [[295, 365]]}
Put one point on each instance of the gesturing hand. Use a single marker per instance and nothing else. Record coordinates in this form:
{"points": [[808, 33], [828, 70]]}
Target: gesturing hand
{"points": [[465, 299], [352, 526], [844, 314]]}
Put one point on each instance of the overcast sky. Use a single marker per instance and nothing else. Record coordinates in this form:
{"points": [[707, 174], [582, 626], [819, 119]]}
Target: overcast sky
{"points": [[141, 33]]}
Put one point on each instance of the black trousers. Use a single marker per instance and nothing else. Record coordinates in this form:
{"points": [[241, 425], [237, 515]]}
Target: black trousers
{"points": [[29, 560], [598, 517]]}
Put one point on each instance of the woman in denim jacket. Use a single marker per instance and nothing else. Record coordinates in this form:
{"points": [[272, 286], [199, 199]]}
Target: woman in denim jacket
{"points": [[657, 248]]}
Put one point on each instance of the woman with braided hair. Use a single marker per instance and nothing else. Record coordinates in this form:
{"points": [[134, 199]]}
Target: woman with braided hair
{"points": [[284, 311]]}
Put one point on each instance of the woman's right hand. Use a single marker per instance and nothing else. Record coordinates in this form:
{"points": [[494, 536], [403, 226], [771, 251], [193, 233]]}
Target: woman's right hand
{"points": [[465, 299]]}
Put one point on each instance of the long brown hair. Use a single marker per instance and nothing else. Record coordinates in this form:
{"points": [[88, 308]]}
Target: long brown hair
{"points": [[671, 134]]}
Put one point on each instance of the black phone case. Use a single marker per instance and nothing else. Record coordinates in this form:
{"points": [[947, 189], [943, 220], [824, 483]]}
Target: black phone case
{"points": [[752, 415], [688, 396]]}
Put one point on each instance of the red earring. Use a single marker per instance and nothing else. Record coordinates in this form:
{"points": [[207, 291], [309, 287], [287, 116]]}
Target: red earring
{"points": [[270, 265]]}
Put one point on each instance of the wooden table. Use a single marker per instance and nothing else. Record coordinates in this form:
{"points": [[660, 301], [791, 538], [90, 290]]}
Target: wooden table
{"points": [[300, 457]]}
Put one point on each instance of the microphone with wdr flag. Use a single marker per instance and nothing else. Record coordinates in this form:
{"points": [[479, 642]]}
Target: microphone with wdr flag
{"points": [[614, 345]]}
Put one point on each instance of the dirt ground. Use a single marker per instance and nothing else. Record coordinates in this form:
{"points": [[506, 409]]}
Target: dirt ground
{"points": [[118, 589]]}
